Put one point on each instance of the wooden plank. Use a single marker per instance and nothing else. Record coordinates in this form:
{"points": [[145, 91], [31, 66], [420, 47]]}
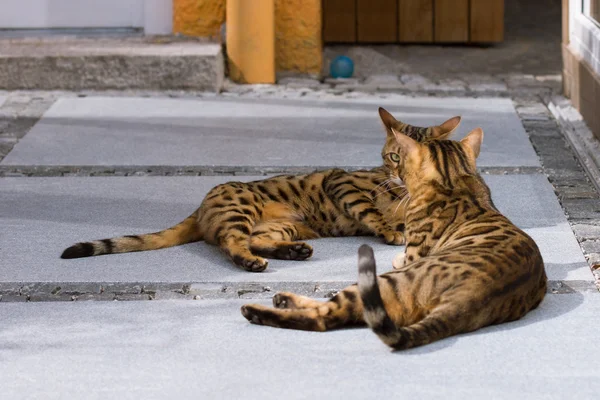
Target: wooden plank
{"points": [[415, 20], [451, 21], [487, 21], [377, 21], [339, 21]]}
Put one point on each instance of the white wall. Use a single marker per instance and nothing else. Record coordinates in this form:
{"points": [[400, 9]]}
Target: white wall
{"points": [[155, 16]]}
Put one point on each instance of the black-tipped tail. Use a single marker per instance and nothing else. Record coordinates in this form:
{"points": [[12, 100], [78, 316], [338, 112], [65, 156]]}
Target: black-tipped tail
{"points": [[436, 325], [79, 250], [374, 312]]}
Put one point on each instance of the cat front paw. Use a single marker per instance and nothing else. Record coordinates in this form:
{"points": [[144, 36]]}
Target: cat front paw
{"points": [[393, 238], [253, 264]]}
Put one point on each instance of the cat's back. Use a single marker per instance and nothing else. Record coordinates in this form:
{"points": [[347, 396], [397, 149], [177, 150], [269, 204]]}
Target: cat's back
{"points": [[477, 254]]}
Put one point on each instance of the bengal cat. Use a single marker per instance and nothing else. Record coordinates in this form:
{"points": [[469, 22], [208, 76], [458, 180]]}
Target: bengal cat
{"points": [[466, 265], [267, 218]]}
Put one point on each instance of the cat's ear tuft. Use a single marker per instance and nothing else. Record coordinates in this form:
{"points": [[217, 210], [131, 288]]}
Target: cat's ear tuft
{"points": [[473, 141], [407, 144], [446, 129], [389, 122]]}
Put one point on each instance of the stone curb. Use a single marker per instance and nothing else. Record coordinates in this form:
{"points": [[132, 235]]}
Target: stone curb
{"points": [[410, 84], [22, 171], [116, 291]]}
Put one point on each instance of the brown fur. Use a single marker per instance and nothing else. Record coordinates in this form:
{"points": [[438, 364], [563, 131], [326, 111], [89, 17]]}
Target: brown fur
{"points": [[466, 266], [268, 218]]}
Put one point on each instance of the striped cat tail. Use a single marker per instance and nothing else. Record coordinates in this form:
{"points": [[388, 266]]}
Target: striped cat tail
{"points": [[374, 311], [435, 326], [186, 231]]}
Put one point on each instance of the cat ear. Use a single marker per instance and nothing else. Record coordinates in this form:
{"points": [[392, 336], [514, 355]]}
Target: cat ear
{"points": [[473, 141], [446, 129], [407, 144], [388, 120]]}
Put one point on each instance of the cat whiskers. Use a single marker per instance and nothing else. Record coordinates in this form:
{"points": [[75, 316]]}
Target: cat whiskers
{"points": [[386, 191], [378, 187], [405, 199]]}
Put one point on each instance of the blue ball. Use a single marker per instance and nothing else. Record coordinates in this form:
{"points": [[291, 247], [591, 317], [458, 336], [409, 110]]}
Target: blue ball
{"points": [[341, 67]]}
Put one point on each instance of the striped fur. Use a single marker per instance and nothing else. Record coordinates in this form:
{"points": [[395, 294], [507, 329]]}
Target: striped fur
{"points": [[269, 218], [466, 266], [374, 311]]}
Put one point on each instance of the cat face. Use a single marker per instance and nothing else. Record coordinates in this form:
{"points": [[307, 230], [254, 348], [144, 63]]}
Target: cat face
{"points": [[391, 156], [442, 161]]}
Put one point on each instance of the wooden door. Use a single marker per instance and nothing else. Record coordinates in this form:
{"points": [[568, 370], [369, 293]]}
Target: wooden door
{"points": [[376, 21], [413, 21]]}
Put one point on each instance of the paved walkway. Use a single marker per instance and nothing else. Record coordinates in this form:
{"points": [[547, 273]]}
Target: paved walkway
{"points": [[48, 200], [207, 350]]}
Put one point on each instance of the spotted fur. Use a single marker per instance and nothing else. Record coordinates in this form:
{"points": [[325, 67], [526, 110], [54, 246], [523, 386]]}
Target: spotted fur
{"points": [[270, 217], [466, 266]]}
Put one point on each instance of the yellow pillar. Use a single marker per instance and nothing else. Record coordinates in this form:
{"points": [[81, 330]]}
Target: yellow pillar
{"points": [[251, 40]]}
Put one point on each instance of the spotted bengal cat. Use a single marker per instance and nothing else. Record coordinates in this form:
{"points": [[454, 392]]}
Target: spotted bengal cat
{"points": [[466, 266], [266, 218]]}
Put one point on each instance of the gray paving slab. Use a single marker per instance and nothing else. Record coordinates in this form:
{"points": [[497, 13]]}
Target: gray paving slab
{"points": [[42, 216], [2, 100], [207, 350], [235, 132]]}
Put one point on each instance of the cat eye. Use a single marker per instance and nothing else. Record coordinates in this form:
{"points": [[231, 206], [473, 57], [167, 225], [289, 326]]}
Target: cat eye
{"points": [[395, 157]]}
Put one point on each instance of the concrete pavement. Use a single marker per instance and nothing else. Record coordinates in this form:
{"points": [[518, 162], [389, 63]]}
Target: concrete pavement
{"points": [[46, 215], [205, 348], [239, 132]]}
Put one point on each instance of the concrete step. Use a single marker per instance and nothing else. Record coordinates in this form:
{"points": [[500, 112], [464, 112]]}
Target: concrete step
{"points": [[68, 63]]}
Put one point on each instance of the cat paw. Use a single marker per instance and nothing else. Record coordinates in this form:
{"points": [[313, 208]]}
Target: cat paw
{"points": [[283, 300], [393, 238], [296, 251], [254, 264], [398, 261], [251, 313]]}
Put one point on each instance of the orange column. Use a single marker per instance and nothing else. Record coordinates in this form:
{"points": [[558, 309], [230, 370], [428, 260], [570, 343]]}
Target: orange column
{"points": [[251, 40]]}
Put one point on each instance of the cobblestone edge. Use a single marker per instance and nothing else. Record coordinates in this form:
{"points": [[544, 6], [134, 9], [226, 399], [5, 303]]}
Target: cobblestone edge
{"points": [[575, 191], [22, 171], [18, 114], [11, 292]]}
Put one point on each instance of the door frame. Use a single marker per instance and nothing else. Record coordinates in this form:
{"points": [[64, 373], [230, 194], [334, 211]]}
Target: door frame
{"points": [[584, 35]]}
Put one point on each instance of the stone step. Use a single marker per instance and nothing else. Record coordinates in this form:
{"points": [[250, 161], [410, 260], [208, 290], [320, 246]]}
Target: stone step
{"points": [[67, 63]]}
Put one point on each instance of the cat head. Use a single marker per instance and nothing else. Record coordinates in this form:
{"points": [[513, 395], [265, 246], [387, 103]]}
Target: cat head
{"points": [[442, 161], [420, 134]]}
